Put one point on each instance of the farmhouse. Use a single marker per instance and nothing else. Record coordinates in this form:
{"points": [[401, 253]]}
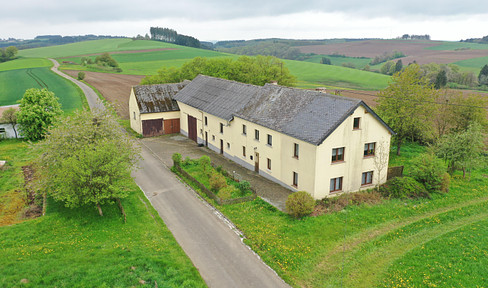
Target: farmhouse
{"points": [[152, 109], [304, 140], [6, 130]]}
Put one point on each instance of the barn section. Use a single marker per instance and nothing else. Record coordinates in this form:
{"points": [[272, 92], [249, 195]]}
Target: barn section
{"points": [[153, 111]]}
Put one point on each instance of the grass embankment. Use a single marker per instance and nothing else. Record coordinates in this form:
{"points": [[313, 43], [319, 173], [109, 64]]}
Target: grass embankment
{"points": [[78, 248], [362, 246], [12, 195]]}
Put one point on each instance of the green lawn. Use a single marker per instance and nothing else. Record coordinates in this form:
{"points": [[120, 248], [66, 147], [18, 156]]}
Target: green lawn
{"points": [[361, 246], [313, 75], [78, 248], [13, 84], [23, 63]]}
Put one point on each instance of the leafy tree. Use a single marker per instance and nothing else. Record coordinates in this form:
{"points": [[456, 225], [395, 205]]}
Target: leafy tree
{"points": [[106, 60], [399, 65], [8, 53], [39, 110], [81, 75], [405, 106], [429, 170], [440, 80], [87, 159], [463, 150], [10, 116], [253, 70], [483, 76], [326, 61]]}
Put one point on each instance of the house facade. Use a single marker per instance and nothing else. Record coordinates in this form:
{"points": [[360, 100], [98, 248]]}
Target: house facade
{"points": [[153, 111], [304, 140]]}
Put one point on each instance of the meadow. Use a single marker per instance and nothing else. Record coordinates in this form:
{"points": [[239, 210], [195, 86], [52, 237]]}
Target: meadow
{"points": [[370, 246], [78, 248], [359, 63], [13, 84]]}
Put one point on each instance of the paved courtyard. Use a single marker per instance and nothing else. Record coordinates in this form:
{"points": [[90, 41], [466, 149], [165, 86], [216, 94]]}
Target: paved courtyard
{"points": [[165, 146]]}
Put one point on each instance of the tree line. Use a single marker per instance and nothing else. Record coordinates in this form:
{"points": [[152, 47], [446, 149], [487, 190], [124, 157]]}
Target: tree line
{"points": [[415, 37], [51, 40], [171, 36], [257, 70]]}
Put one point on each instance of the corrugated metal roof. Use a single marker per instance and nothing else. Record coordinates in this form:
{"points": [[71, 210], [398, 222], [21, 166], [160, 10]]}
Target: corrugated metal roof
{"points": [[158, 98], [303, 114]]}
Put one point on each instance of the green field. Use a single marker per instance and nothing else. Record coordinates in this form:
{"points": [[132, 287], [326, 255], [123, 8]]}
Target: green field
{"points": [[458, 45], [13, 84], [25, 63], [371, 246], [359, 63], [311, 75], [148, 63], [78, 248]]}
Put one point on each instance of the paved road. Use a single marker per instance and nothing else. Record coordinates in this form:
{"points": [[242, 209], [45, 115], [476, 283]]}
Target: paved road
{"points": [[211, 242], [92, 97]]}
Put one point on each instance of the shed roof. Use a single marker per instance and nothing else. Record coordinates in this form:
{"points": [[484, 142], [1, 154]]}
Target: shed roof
{"points": [[307, 115], [157, 98]]}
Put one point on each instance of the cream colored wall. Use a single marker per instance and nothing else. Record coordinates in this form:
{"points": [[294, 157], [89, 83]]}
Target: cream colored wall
{"points": [[313, 166], [354, 163], [135, 124]]}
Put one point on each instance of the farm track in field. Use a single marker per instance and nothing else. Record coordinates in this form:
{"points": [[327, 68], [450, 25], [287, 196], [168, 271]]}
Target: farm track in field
{"points": [[36, 78], [367, 242]]}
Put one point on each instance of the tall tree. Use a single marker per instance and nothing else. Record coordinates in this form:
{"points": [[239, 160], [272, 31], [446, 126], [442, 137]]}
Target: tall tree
{"points": [[440, 80], [87, 159], [39, 110], [10, 116], [483, 76], [406, 105], [399, 65]]}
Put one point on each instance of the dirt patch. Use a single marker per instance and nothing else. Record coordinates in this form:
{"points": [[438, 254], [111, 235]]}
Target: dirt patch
{"points": [[415, 51], [115, 88], [121, 52], [34, 199]]}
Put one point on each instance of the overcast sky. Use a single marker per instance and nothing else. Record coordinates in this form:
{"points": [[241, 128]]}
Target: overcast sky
{"points": [[211, 20]]}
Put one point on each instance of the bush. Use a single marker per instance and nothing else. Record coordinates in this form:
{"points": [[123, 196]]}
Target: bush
{"points": [[429, 170], [403, 187], [217, 181], [338, 203], [300, 204], [226, 192], [446, 180], [176, 158], [205, 162], [187, 161], [244, 186], [81, 75]]}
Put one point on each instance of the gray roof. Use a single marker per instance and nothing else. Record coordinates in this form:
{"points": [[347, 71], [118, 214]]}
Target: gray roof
{"points": [[215, 96], [157, 98], [307, 115]]}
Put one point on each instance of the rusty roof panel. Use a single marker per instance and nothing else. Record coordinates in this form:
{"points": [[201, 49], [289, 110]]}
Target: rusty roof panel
{"points": [[158, 98]]}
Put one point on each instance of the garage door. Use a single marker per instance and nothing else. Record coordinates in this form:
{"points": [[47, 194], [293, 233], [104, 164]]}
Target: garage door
{"points": [[153, 127], [171, 126]]}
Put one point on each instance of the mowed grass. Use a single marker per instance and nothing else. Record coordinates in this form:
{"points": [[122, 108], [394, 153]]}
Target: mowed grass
{"points": [[13, 84], [311, 75], [361, 246], [78, 248], [23, 63]]}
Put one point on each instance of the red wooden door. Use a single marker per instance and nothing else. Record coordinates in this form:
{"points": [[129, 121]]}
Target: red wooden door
{"points": [[171, 126], [192, 128]]}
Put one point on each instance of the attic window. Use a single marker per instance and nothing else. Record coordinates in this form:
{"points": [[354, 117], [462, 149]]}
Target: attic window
{"points": [[134, 115], [206, 121], [355, 126]]}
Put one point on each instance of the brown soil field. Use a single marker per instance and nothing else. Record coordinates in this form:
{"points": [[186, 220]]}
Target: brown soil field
{"points": [[415, 51], [121, 52], [115, 88]]}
